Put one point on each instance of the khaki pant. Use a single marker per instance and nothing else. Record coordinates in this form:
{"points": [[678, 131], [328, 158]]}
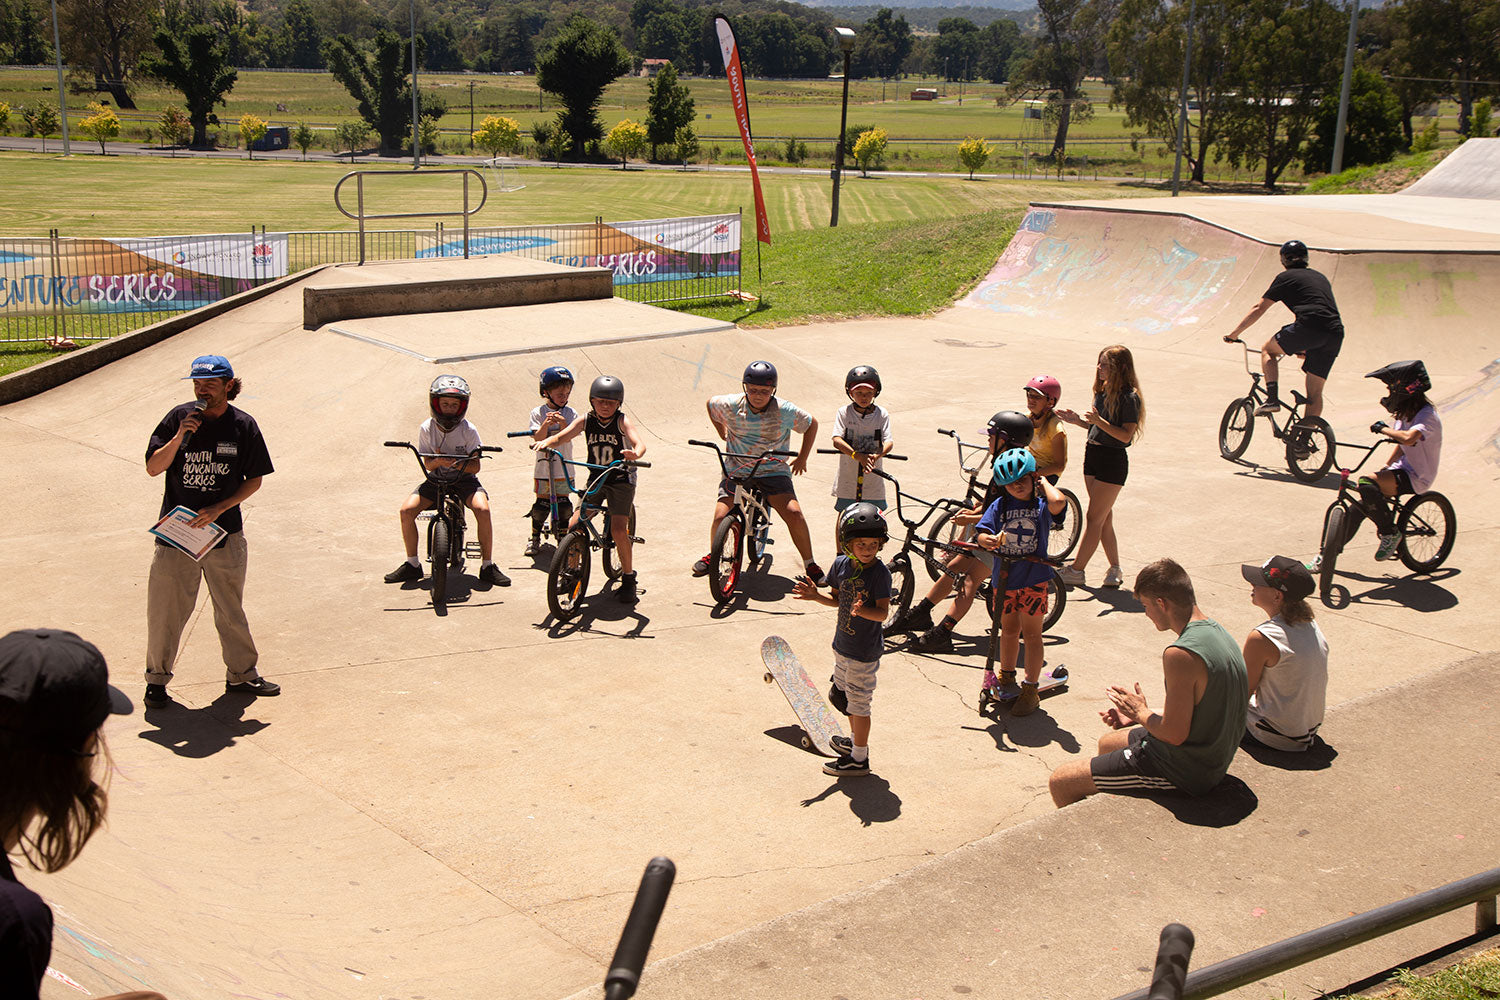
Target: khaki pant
{"points": [[172, 593]]}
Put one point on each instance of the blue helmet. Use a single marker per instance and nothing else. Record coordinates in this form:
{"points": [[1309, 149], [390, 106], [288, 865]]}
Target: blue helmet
{"points": [[1014, 465], [555, 376], [760, 373]]}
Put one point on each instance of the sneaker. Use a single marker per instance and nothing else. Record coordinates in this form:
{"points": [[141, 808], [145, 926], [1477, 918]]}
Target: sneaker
{"points": [[1316, 565], [934, 640], [816, 575], [157, 697], [838, 699], [700, 568], [492, 575], [1113, 577], [842, 745], [1269, 406], [259, 687], [915, 619], [1027, 701], [847, 765], [532, 547], [405, 573], [625, 591], [1388, 546], [1072, 576]]}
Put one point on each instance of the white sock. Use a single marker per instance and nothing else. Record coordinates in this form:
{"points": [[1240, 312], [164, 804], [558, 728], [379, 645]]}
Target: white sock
{"points": [[860, 753], [414, 561]]}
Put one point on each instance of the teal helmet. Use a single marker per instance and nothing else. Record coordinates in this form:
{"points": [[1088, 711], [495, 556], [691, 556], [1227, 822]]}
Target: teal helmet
{"points": [[1014, 465]]}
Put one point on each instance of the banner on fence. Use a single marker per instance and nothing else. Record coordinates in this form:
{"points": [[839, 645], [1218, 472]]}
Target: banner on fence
{"points": [[157, 274], [637, 252]]}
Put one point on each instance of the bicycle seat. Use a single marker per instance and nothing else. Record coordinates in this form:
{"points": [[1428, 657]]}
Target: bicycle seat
{"points": [[1298, 399]]}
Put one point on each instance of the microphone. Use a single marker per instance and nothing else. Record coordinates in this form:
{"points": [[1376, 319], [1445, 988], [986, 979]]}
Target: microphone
{"points": [[198, 407]]}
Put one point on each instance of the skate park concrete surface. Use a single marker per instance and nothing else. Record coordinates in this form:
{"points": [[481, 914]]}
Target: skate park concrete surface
{"points": [[461, 805]]}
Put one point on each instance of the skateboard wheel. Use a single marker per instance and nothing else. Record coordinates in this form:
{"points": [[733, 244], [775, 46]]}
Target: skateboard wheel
{"points": [[1060, 672], [806, 743], [768, 677]]}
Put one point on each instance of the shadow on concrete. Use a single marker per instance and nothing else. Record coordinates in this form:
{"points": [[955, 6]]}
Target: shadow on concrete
{"points": [[1417, 593], [793, 736], [1038, 729], [1230, 803], [1318, 757], [1114, 600], [870, 798], [601, 608], [202, 732], [1330, 480]]}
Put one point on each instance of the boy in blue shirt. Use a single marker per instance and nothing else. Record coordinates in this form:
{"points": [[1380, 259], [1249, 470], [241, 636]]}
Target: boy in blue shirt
{"points": [[862, 593]]}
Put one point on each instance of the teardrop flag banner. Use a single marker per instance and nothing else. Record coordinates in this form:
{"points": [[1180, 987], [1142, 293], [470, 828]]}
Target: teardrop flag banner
{"points": [[731, 52]]}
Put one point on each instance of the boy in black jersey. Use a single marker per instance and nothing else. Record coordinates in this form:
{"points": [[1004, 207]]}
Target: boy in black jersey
{"points": [[610, 436], [1317, 332]]}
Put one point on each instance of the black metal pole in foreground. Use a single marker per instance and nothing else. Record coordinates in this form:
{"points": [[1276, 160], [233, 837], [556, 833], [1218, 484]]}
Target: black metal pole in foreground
{"points": [[635, 940]]}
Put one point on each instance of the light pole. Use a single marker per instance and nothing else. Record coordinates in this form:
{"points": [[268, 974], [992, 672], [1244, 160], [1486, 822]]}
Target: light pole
{"points": [[416, 148], [1187, 61], [846, 42], [471, 116], [62, 95], [1338, 134]]}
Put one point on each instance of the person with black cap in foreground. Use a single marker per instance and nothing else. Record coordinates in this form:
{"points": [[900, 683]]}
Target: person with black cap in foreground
{"points": [[1286, 658], [214, 459], [54, 697]]}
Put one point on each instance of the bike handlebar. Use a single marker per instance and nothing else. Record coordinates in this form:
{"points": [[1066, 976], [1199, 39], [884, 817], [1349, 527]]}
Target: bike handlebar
{"points": [[1172, 956], [518, 434], [835, 451], [640, 927]]}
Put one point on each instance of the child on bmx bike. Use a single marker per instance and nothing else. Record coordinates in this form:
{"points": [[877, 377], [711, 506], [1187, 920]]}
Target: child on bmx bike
{"points": [[448, 432], [1413, 463], [552, 497]]}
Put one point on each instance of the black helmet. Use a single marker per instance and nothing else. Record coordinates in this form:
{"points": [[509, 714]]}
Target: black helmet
{"points": [[1014, 428], [760, 373], [455, 388], [862, 520], [554, 376], [862, 375], [607, 387], [1404, 379], [1294, 254]]}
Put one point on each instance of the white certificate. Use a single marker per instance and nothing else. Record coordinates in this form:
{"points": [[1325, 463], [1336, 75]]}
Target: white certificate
{"points": [[176, 529]]}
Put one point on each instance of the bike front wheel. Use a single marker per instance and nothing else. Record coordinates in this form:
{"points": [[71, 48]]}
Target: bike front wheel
{"points": [[568, 577], [1309, 449], [1427, 526], [759, 536], [609, 557], [439, 552], [903, 584], [1066, 527], [943, 531], [1333, 544], [1236, 428], [725, 559]]}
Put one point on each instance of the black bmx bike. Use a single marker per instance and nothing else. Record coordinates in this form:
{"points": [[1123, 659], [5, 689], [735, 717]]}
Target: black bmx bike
{"points": [[745, 530], [1308, 441], [1061, 539], [568, 574], [445, 519], [1425, 525]]}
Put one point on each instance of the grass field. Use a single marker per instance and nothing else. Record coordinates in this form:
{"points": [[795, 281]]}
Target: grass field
{"points": [[139, 196]]}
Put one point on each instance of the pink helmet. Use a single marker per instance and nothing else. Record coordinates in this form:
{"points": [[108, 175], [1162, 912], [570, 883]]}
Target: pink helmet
{"points": [[1047, 386]]}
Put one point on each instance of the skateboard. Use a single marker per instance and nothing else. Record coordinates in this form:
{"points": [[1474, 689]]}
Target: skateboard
{"points": [[1051, 681], [819, 722]]}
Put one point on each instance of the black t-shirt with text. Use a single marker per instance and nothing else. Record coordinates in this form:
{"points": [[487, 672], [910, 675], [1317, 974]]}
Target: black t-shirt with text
{"points": [[1308, 294], [25, 937], [212, 463]]}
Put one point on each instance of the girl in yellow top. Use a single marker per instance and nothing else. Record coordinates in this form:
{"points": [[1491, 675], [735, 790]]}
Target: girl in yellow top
{"points": [[1048, 443]]}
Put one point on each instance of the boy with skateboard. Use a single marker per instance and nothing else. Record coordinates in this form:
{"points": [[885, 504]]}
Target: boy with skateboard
{"points": [[862, 594], [552, 497], [610, 436]]}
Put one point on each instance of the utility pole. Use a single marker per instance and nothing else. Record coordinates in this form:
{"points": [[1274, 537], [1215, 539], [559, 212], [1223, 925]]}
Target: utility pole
{"points": [[471, 116], [1338, 134], [1187, 61], [416, 145]]}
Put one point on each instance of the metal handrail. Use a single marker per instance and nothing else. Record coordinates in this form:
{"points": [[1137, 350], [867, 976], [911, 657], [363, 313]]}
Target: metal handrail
{"points": [[484, 193], [1253, 966]]}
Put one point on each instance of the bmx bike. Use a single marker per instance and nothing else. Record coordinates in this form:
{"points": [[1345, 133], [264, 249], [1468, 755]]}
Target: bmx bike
{"points": [[935, 554], [1308, 441], [568, 574], [1425, 523], [1061, 539], [445, 518], [746, 529]]}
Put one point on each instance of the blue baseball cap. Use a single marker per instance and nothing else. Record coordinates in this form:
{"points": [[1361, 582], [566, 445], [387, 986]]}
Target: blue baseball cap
{"points": [[210, 366]]}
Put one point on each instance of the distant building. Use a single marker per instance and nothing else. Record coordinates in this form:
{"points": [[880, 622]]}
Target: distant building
{"points": [[924, 94], [651, 67]]}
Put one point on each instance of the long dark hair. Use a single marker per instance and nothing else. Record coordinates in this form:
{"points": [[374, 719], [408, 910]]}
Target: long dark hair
{"points": [[51, 799], [1411, 406]]}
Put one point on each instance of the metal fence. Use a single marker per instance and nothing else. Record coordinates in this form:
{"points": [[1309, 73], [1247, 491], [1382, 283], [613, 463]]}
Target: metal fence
{"points": [[83, 288]]}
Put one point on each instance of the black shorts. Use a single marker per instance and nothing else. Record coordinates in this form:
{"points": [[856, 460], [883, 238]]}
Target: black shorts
{"points": [[769, 486], [1126, 772], [464, 486], [1318, 346], [616, 496], [1106, 464]]}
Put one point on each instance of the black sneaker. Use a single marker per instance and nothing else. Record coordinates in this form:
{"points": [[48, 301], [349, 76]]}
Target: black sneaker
{"points": [[491, 575], [626, 592], [838, 699], [405, 573], [157, 697], [816, 575], [842, 745], [934, 640], [847, 765], [700, 568], [1269, 406], [260, 687], [914, 619]]}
